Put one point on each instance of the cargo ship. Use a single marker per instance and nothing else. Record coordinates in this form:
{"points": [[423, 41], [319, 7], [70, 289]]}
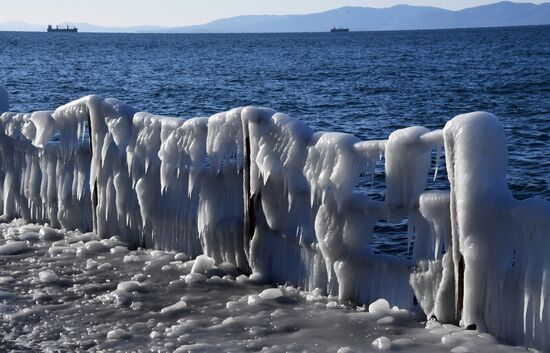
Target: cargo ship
{"points": [[334, 29], [62, 29]]}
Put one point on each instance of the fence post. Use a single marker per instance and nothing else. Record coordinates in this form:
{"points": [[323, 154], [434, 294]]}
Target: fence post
{"points": [[248, 210], [94, 191], [460, 289]]}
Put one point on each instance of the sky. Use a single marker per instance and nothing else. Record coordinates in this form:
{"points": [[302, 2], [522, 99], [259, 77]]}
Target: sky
{"points": [[123, 13]]}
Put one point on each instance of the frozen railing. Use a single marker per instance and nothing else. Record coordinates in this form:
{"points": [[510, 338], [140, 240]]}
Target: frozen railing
{"points": [[263, 191], [44, 180], [503, 241], [495, 274]]}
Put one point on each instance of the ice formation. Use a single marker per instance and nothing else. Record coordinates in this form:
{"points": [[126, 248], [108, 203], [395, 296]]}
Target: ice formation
{"points": [[257, 190], [503, 242], [59, 296]]}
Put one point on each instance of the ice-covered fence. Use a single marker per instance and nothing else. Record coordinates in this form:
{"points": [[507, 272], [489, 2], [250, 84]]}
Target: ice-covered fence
{"points": [[44, 179], [178, 184], [171, 183], [312, 228], [261, 190], [248, 186]]}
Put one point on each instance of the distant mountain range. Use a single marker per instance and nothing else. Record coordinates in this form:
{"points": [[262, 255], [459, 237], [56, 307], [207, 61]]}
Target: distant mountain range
{"points": [[400, 17]]}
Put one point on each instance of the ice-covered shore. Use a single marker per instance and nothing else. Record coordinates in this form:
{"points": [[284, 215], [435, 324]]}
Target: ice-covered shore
{"points": [[263, 192], [67, 291]]}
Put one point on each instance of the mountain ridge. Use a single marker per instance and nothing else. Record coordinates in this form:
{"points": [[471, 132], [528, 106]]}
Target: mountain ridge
{"points": [[397, 17]]}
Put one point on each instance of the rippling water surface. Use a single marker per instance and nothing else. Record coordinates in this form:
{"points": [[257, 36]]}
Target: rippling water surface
{"points": [[367, 84]]}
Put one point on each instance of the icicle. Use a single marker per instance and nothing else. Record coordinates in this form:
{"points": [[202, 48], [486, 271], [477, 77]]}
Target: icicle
{"points": [[81, 185], [438, 237], [265, 176], [129, 160], [105, 149], [437, 158], [312, 195]]}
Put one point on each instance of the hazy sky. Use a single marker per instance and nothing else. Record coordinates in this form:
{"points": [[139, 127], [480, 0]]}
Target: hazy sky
{"points": [[184, 12]]}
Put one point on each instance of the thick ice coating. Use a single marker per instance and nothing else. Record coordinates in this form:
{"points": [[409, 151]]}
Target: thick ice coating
{"points": [[259, 191], [501, 240]]}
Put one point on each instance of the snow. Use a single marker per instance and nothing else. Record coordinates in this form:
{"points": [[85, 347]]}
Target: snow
{"points": [[255, 191]]}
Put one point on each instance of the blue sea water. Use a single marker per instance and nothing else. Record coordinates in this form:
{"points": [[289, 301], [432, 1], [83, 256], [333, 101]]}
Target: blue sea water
{"points": [[364, 83]]}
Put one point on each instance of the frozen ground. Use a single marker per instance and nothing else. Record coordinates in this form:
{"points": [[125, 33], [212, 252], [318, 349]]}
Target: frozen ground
{"points": [[66, 291]]}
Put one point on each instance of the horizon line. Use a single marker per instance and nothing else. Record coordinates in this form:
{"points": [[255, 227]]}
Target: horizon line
{"points": [[304, 32], [160, 27]]}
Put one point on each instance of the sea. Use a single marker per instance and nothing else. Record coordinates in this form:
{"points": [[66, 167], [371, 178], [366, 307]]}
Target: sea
{"points": [[363, 83]]}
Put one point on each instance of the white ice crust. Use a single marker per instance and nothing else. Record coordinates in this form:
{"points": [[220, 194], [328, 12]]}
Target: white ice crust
{"points": [[261, 191]]}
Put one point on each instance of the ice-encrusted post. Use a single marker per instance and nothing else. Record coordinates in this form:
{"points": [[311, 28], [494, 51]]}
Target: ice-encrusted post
{"points": [[249, 218], [94, 190], [477, 160]]}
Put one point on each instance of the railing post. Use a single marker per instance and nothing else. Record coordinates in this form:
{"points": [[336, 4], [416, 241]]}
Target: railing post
{"points": [[248, 210], [94, 191]]}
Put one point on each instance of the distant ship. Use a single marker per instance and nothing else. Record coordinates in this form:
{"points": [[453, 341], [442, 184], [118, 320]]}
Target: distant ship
{"points": [[334, 29], [66, 29]]}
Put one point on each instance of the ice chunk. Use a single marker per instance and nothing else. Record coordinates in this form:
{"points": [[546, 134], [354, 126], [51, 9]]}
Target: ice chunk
{"points": [[29, 237], [271, 293], [202, 264], [382, 343], [118, 334], [48, 277], [174, 309], [50, 234], [96, 246], [379, 306], [130, 286], [345, 350], [195, 278], [14, 248], [403, 343]]}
